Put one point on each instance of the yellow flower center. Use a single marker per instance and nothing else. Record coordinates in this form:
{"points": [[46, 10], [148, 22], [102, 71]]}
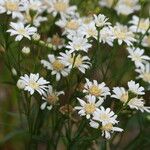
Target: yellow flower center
{"points": [[124, 97], [52, 99], [91, 32], [61, 6], [12, 6], [136, 58], [33, 85], [143, 25], [57, 65], [94, 90], [90, 108], [146, 77], [72, 24], [22, 31], [129, 3], [120, 35], [107, 127], [104, 117]]}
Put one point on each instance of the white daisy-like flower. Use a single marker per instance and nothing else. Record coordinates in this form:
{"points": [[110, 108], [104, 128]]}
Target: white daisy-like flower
{"points": [[106, 129], [121, 94], [60, 7], [13, 7], [101, 20], [78, 44], [35, 5], [36, 20], [106, 36], [21, 31], [137, 56], [51, 97], [33, 83], [140, 26], [146, 41], [69, 24], [144, 73], [126, 7], [122, 34], [138, 103], [57, 67], [135, 88], [105, 116], [79, 61], [88, 107], [106, 3], [95, 89], [89, 30]]}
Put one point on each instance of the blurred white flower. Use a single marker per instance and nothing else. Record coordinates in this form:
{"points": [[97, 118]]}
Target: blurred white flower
{"points": [[137, 56], [26, 50], [51, 97], [60, 6], [21, 31], [106, 3], [126, 7], [144, 73], [146, 41], [33, 83], [88, 107], [14, 72], [13, 7], [21, 84], [122, 34], [106, 36], [57, 67], [79, 61], [139, 25]]}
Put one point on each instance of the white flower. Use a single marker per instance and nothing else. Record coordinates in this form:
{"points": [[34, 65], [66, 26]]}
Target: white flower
{"points": [[88, 107], [138, 103], [106, 3], [136, 55], [127, 7], [33, 83], [26, 50], [62, 7], [135, 88], [101, 20], [98, 90], [106, 36], [120, 93], [144, 73], [122, 34], [79, 61], [69, 24], [89, 30], [78, 44], [57, 67], [21, 31], [106, 129], [146, 41], [140, 26], [50, 98], [20, 84], [13, 7], [105, 116]]}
